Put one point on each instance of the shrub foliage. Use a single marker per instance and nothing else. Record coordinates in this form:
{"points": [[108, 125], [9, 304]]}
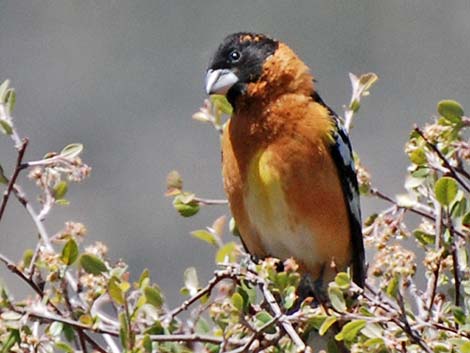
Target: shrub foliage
{"points": [[416, 299]]}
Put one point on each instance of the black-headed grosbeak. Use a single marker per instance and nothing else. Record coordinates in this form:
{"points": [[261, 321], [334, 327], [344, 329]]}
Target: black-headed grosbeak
{"points": [[288, 167]]}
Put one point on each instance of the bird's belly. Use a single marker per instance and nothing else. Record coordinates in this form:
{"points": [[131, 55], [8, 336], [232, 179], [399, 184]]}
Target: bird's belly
{"points": [[281, 233]]}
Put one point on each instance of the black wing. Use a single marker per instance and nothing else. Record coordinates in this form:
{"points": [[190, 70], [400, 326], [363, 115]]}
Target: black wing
{"points": [[341, 151]]}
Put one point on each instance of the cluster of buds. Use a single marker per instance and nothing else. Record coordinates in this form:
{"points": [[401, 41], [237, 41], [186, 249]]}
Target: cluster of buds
{"points": [[394, 261], [73, 230]]}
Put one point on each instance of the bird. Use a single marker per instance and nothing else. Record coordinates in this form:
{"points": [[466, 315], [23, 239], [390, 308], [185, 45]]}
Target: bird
{"points": [[287, 161]]}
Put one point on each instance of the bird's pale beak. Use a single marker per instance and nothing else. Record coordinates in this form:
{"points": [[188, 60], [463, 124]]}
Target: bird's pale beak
{"points": [[220, 81]]}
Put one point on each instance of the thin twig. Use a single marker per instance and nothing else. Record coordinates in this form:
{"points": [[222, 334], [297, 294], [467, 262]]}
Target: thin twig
{"points": [[407, 328], [444, 160], [455, 259], [13, 268], [418, 209], [210, 202], [432, 285], [286, 325], [16, 173], [218, 276]]}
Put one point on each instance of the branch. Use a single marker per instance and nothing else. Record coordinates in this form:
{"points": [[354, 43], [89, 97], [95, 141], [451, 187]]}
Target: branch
{"points": [[432, 286], [210, 202], [13, 268], [16, 173], [418, 209], [444, 160], [286, 324], [219, 276], [455, 259]]}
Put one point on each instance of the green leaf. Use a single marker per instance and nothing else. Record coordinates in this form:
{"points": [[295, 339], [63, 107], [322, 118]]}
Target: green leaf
{"points": [[6, 127], [202, 326], [115, 291], [86, 319], [204, 235], [69, 252], [27, 257], [10, 316], [221, 103], [376, 341], [3, 178], [69, 332], [465, 348], [226, 253], [153, 296], [355, 105], [418, 156], [289, 297], [459, 315], [330, 320], [55, 329], [343, 280], [155, 329], [350, 330], [10, 101], [71, 151], [421, 173], [147, 343], [424, 238], [446, 189], [3, 90], [466, 220], [373, 330], [237, 301], [60, 189], [450, 110], [92, 264], [64, 347], [392, 288], [232, 225], [184, 207], [248, 293], [337, 298], [144, 278], [123, 329], [62, 202], [262, 318], [13, 338], [191, 282]]}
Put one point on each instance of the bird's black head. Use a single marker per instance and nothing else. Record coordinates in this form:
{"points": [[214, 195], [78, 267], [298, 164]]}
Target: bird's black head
{"points": [[237, 62]]}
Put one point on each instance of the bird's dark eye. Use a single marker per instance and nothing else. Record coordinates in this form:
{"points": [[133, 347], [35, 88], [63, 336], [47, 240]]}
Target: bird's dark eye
{"points": [[234, 56]]}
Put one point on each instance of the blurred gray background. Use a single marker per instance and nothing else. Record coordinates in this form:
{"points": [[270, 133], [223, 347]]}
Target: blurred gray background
{"points": [[124, 77]]}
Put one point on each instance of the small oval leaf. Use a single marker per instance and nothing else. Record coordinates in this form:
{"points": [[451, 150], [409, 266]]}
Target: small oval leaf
{"points": [[330, 320], [92, 264], [71, 151], [446, 189], [350, 330], [204, 235], [6, 127], [60, 190], [337, 298], [10, 100], [450, 110], [184, 207], [69, 252], [115, 291], [153, 296], [191, 281]]}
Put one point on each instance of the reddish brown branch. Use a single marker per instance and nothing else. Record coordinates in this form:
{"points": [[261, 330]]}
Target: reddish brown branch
{"points": [[18, 167]]}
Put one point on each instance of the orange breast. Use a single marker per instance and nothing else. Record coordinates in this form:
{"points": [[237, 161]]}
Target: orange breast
{"points": [[283, 186]]}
